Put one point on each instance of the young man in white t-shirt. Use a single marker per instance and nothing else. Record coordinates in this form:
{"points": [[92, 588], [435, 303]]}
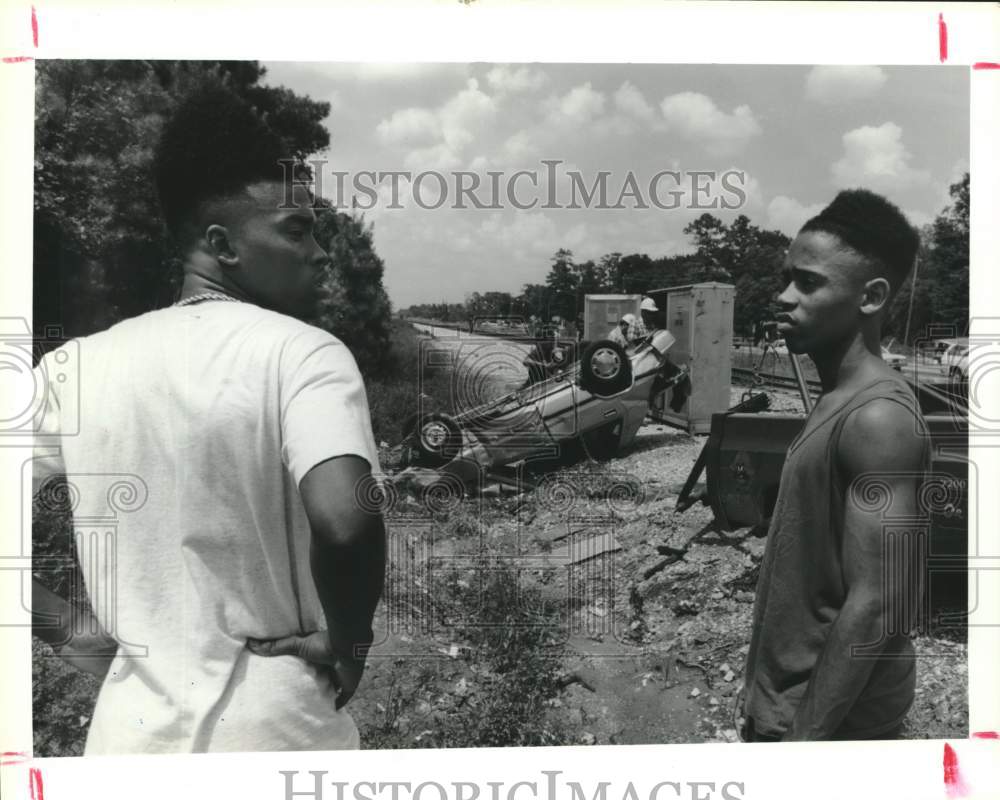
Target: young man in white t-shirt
{"points": [[246, 574]]}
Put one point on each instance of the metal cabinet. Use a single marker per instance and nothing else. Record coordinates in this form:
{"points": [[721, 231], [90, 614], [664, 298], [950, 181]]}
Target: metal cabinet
{"points": [[602, 312], [700, 317]]}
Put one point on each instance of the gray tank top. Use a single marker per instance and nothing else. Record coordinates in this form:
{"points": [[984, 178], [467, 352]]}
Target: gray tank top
{"points": [[801, 587]]}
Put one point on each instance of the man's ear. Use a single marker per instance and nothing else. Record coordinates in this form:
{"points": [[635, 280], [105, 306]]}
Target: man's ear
{"points": [[876, 296], [217, 237]]}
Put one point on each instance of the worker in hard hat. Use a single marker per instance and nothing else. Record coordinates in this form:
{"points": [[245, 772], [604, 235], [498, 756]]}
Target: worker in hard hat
{"points": [[628, 331], [650, 315]]}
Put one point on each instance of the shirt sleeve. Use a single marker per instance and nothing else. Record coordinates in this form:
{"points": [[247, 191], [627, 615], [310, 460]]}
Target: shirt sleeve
{"points": [[324, 411]]}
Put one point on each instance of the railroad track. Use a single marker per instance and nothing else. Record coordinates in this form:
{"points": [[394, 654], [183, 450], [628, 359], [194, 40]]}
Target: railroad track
{"points": [[744, 375]]}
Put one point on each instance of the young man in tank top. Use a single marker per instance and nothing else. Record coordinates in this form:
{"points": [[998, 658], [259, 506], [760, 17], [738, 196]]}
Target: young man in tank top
{"points": [[829, 656]]}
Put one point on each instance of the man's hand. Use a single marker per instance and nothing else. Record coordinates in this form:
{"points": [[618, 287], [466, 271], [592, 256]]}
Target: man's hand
{"points": [[344, 669], [89, 652]]}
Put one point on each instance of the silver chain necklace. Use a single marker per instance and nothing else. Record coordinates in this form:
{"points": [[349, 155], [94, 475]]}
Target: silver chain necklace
{"points": [[202, 297]]}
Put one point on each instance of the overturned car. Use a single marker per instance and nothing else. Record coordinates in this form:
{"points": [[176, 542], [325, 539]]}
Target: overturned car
{"points": [[600, 398]]}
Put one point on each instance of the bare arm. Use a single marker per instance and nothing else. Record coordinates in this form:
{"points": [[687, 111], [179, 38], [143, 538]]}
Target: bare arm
{"points": [[348, 549], [347, 555], [878, 440]]}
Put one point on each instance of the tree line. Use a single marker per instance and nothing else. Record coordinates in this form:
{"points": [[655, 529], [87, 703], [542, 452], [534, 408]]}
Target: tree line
{"points": [[749, 257]]}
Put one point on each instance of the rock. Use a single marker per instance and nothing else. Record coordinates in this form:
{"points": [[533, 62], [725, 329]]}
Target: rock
{"points": [[686, 608], [724, 668], [695, 692], [717, 595], [728, 676], [588, 738], [713, 701]]}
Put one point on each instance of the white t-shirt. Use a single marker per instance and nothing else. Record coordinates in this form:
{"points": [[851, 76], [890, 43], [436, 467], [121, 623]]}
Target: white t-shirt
{"points": [[212, 413]]}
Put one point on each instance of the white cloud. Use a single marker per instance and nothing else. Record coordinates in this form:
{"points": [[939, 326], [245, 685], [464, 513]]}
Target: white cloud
{"points": [[411, 126], [509, 80], [840, 84], [465, 114], [631, 101], [578, 106], [788, 215], [696, 117], [440, 135], [520, 146], [876, 158]]}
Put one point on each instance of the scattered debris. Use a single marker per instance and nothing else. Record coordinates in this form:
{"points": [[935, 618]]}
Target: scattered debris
{"points": [[686, 607]]}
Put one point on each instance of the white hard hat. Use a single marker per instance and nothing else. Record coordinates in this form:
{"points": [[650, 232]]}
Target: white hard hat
{"points": [[628, 318], [648, 304]]}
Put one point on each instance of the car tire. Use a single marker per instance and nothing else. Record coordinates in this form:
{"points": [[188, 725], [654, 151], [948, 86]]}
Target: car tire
{"points": [[437, 438], [605, 369]]}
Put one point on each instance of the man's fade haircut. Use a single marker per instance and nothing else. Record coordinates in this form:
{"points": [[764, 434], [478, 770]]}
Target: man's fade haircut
{"points": [[214, 146], [874, 228]]}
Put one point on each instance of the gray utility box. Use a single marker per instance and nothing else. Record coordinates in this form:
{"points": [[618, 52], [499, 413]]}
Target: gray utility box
{"points": [[700, 317], [602, 312]]}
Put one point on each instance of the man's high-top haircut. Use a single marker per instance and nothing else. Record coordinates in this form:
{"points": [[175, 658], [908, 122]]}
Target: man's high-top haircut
{"points": [[213, 146], [873, 227]]}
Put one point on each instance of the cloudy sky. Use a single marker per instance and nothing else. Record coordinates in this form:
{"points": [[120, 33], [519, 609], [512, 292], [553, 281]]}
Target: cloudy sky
{"points": [[797, 133]]}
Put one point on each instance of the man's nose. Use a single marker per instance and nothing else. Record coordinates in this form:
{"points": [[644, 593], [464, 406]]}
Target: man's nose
{"points": [[321, 259], [785, 299]]}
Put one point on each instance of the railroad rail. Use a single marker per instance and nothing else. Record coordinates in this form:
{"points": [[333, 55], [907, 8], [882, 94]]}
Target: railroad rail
{"points": [[745, 375]]}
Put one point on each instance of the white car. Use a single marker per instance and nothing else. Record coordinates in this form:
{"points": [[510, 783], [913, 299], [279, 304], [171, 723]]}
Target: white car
{"points": [[894, 360], [603, 398], [955, 361]]}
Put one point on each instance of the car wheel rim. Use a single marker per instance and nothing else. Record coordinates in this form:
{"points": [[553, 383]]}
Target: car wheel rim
{"points": [[606, 363], [434, 435]]}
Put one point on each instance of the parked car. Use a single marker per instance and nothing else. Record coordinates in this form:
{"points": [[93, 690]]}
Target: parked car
{"points": [[955, 361], [894, 360], [602, 398]]}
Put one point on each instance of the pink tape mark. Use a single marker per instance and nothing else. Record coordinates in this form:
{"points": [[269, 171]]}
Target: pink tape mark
{"points": [[10, 758], [942, 38], [34, 39], [986, 734], [954, 786], [35, 785], [986, 65]]}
